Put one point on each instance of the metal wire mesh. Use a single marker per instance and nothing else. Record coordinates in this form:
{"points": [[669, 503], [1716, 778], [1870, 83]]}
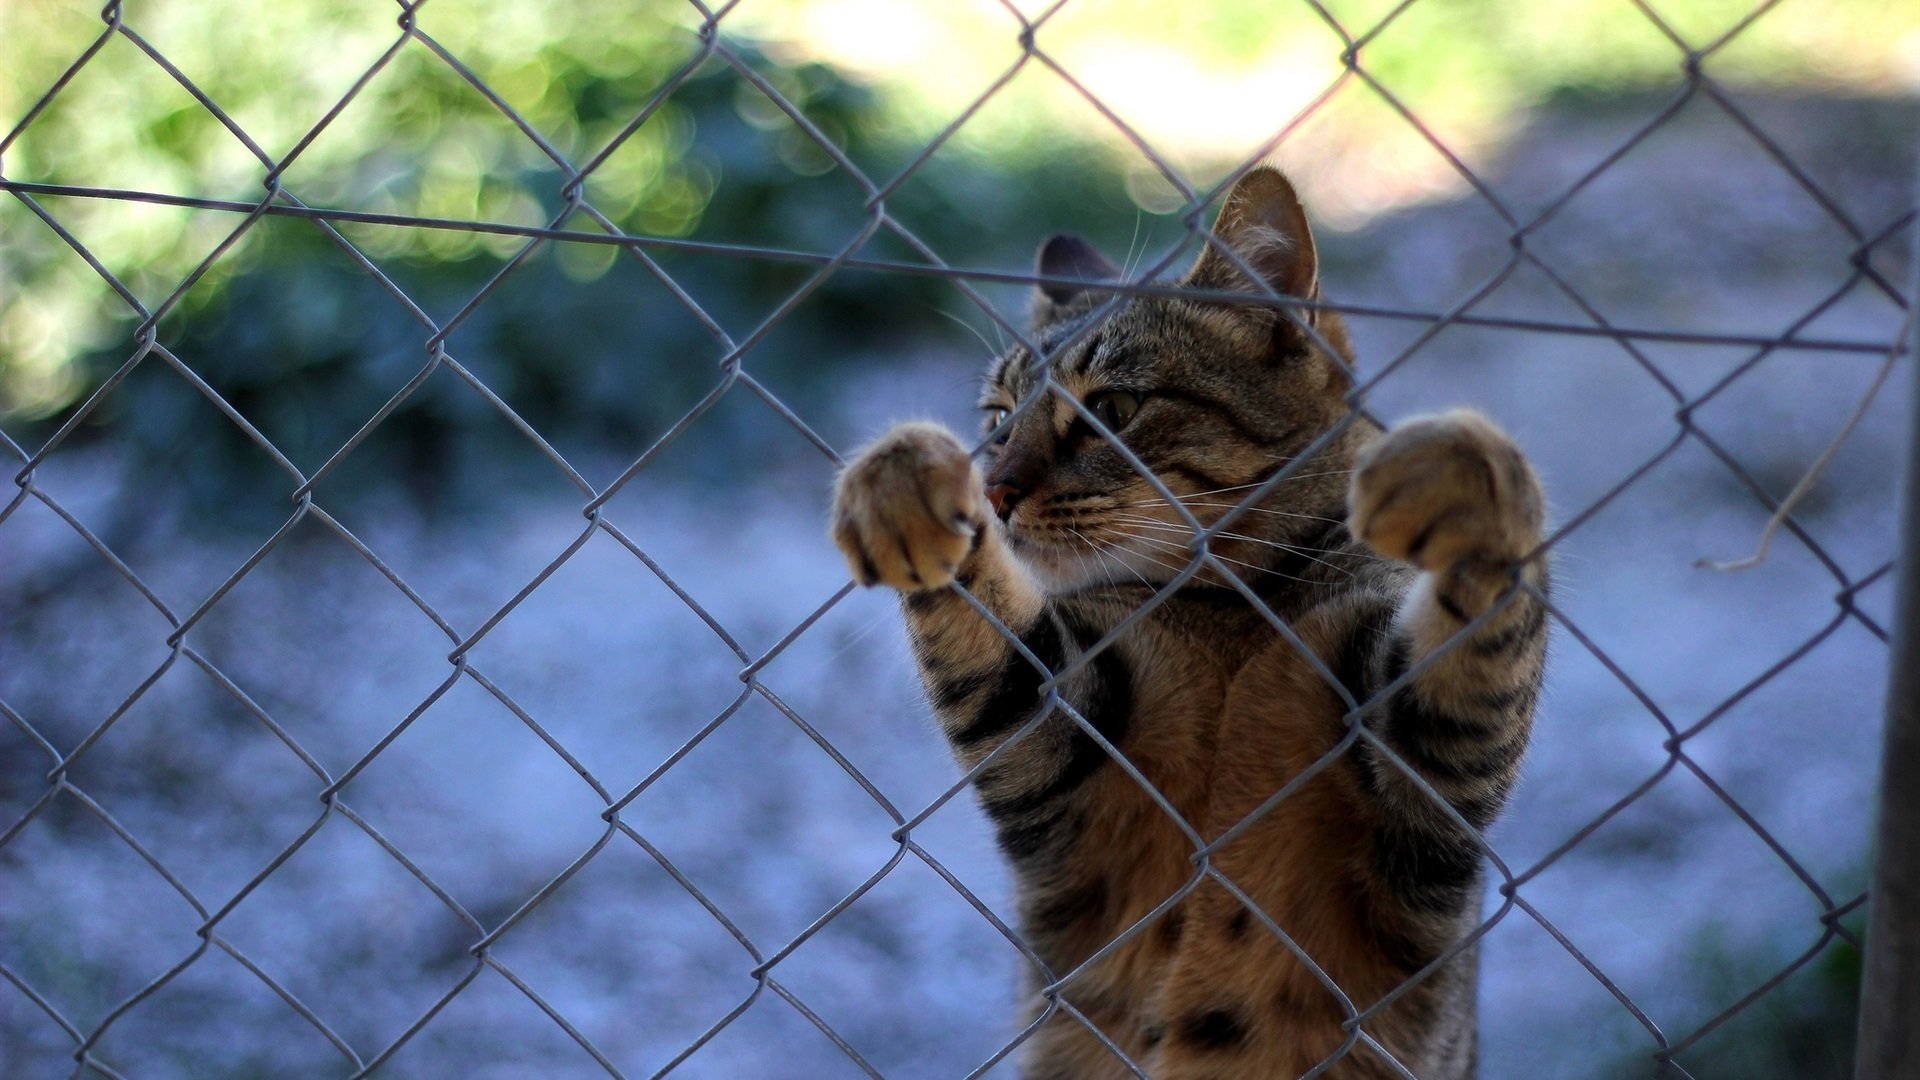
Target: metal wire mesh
{"points": [[580, 222]]}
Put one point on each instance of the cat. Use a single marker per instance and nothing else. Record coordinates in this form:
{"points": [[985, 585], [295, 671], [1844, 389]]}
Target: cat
{"points": [[1377, 552]]}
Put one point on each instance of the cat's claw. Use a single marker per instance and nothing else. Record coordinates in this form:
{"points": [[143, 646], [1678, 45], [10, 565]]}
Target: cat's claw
{"points": [[908, 510]]}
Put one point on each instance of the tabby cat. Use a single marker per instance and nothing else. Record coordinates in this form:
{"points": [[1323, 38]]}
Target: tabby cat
{"points": [[1377, 552]]}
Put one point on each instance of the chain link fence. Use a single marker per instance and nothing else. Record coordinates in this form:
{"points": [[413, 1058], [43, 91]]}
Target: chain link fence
{"points": [[482, 939]]}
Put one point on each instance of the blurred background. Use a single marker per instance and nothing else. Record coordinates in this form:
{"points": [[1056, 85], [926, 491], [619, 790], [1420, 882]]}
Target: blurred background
{"points": [[1772, 195]]}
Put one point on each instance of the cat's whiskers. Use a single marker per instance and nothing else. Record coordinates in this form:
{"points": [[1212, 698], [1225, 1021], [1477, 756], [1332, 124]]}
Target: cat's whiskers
{"points": [[1259, 483], [971, 329], [1196, 494], [1080, 557], [1107, 557], [1254, 510], [1122, 549], [1304, 553], [1185, 548], [1164, 526], [1181, 527], [1182, 530], [1127, 267]]}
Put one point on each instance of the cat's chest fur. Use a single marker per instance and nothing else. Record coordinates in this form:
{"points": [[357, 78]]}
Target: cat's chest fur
{"points": [[1227, 707]]}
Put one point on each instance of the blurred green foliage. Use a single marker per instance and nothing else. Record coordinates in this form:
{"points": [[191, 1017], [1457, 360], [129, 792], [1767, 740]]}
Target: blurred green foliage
{"points": [[581, 340]]}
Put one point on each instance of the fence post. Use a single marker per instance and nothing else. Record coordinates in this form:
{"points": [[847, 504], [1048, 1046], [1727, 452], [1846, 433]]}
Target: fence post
{"points": [[1890, 990]]}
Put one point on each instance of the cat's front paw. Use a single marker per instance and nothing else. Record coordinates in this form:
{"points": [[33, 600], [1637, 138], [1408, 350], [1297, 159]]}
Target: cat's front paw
{"points": [[907, 510], [1446, 491]]}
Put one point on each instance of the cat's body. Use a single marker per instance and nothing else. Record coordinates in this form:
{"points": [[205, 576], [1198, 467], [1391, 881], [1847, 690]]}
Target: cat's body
{"points": [[1335, 895]]}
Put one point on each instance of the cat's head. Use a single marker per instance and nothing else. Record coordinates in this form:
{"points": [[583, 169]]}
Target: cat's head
{"points": [[1211, 397]]}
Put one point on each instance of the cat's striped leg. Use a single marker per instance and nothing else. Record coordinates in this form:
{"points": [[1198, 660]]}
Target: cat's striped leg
{"points": [[1452, 496], [910, 513]]}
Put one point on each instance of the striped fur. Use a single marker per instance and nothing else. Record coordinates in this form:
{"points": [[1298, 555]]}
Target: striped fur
{"points": [[1376, 552]]}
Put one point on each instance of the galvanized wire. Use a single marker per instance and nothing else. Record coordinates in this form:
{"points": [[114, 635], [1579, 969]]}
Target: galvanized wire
{"points": [[761, 960]]}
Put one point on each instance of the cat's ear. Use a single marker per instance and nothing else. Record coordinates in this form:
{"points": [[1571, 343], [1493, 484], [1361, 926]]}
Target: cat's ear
{"points": [[1065, 255], [1264, 225]]}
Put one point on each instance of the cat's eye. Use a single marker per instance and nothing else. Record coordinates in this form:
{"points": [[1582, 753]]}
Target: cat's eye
{"points": [[1114, 408], [996, 416]]}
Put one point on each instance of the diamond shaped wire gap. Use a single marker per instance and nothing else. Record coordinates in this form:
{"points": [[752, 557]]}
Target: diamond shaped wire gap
{"points": [[632, 360], [149, 247], [412, 160], [1745, 118], [615, 73], [120, 71], [673, 72], [703, 183], [493, 1028], [543, 152], [960, 122], [885, 730], [950, 181], [1693, 852], [943, 968], [1594, 721], [191, 456], [243, 65], [94, 636], [346, 928], [1824, 135], [478, 805], [1639, 556], [630, 958], [1523, 256], [611, 660], [1429, 256], [739, 487], [89, 922], [255, 339], [216, 1013], [211, 261], [502, 516], [952, 177], [351, 652], [1531, 383], [210, 790], [571, 191], [765, 823], [1820, 818]]}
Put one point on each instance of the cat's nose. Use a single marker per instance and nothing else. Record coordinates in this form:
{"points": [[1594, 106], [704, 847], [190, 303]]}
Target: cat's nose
{"points": [[1004, 497]]}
